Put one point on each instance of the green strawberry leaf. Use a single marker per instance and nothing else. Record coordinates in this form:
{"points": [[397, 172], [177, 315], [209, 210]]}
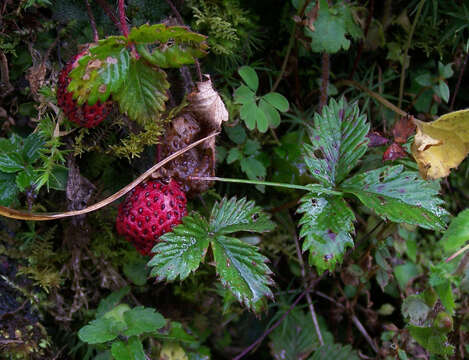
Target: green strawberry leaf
{"points": [[100, 330], [338, 139], [457, 234], [277, 100], [143, 95], [8, 189], [336, 352], [253, 168], [240, 266], [432, 340], [234, 215], [31, 147], [243, 270], [181, 251], [11, 162], [249, 76], [168, 47], [102, 73], [326, 226], [141, 320], [398, 195]]}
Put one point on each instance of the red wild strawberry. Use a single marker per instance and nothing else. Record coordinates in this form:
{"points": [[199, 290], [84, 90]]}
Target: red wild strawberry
{"points": [[85, 115], [149, 211]]}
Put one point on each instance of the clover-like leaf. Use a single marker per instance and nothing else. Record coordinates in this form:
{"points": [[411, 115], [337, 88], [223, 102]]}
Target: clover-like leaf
{"points": [[143, 95], [338, 140], [398, 195], [248, 74], [100, 330], [181, 251], [132, 350], [326, 226]]}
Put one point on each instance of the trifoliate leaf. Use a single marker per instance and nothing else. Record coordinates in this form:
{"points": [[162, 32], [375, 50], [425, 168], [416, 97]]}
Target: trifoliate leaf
{"points": [[249, 113], [234, 155], [240, 266], [244, 95], [338, 140], [441, 145], [253, 168], [111, 301], [457, 234], [143, 95], [326, 226], [181, 251], [141, 320], [336, 352], [234, 215], [271, 113], [332, 26], [277, 100], [132, 350], [102, 72], [249, 76], [243, 270], [398, 195]]}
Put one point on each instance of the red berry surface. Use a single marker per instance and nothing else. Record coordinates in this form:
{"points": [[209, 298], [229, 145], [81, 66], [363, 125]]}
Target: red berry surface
{"points": [[85, 115], [149, 211]]}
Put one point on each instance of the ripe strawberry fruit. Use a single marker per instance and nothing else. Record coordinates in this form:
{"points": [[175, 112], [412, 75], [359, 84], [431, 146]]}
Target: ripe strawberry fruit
{"points": [[85, 115], [149, 211]]}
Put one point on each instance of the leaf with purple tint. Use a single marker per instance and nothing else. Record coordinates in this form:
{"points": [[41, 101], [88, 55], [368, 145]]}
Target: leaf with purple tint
{"points": [[399, 196], [339, 140], [326, 226]]}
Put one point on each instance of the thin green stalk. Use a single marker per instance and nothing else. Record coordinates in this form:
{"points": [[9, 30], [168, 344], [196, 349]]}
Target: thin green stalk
{"points": [[258, 182], [409, 40]]}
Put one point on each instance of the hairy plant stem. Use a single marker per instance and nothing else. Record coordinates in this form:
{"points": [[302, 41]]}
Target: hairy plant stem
{"points": [[122, 19], [406, 51], [107, 9]]}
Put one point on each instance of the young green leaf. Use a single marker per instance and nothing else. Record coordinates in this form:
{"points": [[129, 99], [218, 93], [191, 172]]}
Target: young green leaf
{"points": [[11, 162], [277, 100], [100, 331], [181, 251], [111, 301], [249, 76], [143, 95], [244, 95], [271, 113], [457, 234], [240, 266], [398, 195], [338, 140], [141, 320], [432, 340], [326, 226]]}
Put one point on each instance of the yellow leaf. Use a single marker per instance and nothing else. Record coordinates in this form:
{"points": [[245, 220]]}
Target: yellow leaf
{"points": [[441, 145], [172, 351]]}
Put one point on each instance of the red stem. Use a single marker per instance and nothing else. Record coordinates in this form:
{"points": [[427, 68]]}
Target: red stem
{"points": [[122, 19], [105, 6], [92, 21]]}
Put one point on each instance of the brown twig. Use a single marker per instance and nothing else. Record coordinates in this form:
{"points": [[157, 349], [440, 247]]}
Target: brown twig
{"points": [[272, 328], [308, 295], [363, 331], [458, 84], [92, 21]]}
